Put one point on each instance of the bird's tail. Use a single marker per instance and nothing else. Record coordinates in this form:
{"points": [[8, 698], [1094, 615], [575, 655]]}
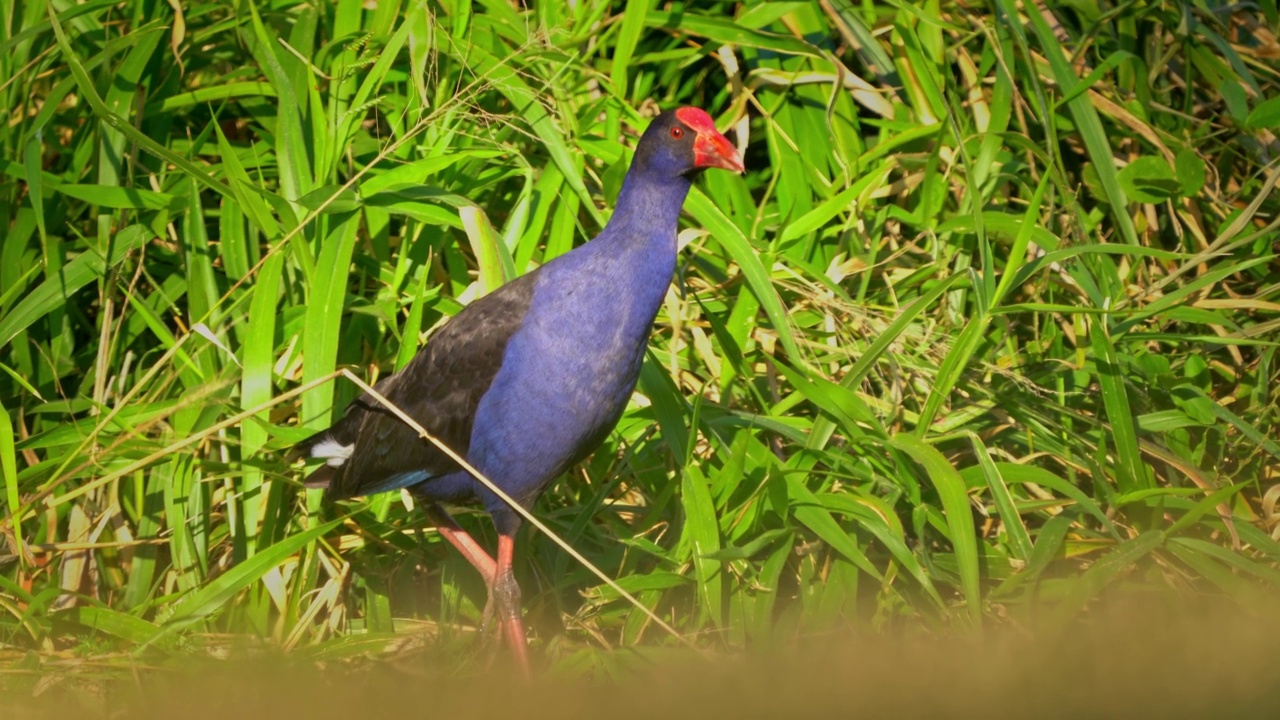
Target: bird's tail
{"points": [[320, 478], [322, 446]]}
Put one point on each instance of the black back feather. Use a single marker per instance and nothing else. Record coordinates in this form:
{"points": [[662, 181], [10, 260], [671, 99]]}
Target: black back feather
{"points": [[440, 389]]}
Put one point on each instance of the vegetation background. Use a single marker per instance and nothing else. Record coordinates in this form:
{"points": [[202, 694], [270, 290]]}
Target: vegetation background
{"points": [[987, 327]]}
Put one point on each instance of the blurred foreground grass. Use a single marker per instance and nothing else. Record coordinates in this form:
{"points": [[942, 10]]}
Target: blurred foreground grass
{"points": [[990, 319], [1139, 655]]}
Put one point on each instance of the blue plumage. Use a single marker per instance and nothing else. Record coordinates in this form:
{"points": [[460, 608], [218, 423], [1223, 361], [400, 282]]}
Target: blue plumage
{"points": [[569, 370]]}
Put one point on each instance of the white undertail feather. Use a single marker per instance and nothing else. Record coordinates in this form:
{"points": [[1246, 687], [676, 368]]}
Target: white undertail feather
{"points": [[334, 452]]}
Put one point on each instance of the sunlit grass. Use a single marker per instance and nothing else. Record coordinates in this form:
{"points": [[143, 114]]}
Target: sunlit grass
{"points": [[988, 325]]}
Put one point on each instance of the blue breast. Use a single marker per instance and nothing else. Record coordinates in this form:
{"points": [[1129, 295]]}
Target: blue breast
{"points": [[570, 369]]}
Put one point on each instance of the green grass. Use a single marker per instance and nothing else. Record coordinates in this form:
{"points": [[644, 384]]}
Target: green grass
{"points": [[988, 326]]}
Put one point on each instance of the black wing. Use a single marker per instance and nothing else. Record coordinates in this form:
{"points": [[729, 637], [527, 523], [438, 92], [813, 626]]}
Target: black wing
{"points": [[440, 389]]}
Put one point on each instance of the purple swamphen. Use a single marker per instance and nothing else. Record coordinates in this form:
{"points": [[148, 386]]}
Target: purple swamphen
{"points": [[528, 380]]}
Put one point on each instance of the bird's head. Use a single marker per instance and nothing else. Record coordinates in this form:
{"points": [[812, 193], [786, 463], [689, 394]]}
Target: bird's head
{"points": [[685, 142]]}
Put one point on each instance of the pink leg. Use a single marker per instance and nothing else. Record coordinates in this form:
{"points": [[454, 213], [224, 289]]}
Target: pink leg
{"points": [[498, 578], [457, 537], [506, 594]]}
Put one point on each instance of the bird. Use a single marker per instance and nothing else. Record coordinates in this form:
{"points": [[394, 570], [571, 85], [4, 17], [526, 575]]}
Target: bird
{"points": [[528, 380]]}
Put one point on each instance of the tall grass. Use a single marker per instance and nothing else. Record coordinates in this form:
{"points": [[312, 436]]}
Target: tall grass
{"points": [[988, 325]]}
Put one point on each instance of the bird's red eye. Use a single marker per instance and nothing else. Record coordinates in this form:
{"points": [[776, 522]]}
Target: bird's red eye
{"points": [[677, 133]]}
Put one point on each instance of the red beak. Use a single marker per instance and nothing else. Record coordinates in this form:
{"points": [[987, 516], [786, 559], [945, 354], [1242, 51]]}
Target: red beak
{"points": [[711, 149]]}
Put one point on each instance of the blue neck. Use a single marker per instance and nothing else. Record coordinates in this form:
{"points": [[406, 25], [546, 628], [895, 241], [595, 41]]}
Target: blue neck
{"points": [[648, 210]]}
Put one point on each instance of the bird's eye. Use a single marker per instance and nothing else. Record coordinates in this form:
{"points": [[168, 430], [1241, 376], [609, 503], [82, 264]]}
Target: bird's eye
{"points": [[677, 133]]}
